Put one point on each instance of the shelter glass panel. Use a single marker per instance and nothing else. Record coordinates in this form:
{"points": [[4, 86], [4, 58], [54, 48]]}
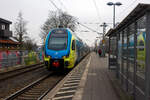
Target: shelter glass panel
{"points": [[112, 59], [131, 51], [125, 51], [113, 47], [141, 37], [119, 50]]}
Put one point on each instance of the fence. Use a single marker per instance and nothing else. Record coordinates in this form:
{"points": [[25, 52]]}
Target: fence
{"points": [[15, 58]]}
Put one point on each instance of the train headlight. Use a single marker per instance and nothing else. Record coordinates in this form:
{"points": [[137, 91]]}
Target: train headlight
{"points": [[47, 56]]}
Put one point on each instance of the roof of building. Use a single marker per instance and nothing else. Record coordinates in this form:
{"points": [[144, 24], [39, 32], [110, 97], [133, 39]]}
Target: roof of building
{"points": [[5, 21], [109, 32], [8, 42], [138, 12], [13, 39]]}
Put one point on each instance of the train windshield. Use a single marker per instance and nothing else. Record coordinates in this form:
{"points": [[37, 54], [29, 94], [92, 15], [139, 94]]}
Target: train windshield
{"points": [[58, 40]]}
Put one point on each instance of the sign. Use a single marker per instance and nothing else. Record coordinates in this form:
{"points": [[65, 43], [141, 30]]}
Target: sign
{"points": [[103, 41]]}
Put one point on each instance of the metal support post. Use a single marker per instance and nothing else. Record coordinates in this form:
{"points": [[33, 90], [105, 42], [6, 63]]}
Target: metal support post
{"points": [[147, 63], [122, 58], [109, 54], [117, 67], [114, 16], [127, 70], [135, 63]]}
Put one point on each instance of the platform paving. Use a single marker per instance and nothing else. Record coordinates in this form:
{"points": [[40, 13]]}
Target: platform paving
{"points": [[97, 84]]}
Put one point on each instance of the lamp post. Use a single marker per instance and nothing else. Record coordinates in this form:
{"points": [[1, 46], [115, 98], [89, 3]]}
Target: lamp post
{"points": [[114, 4]]}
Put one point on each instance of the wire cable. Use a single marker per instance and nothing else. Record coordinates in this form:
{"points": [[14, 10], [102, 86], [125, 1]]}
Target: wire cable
{"points": [[54, 5], [76, 21], [89, 28], [122, 12], [97, 10], [63, 5]]}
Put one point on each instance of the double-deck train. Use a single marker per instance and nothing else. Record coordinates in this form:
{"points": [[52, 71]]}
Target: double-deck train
{"points": [[63, 49]]}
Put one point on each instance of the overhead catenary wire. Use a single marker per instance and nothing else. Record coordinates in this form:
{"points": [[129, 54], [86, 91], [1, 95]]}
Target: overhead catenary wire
{"points": [[88, 28], [128, 7], [63, 5], [125, 9], [97, 10], [54, 4], [76, 21]]}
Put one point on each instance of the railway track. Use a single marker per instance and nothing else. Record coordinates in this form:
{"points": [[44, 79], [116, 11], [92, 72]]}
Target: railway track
{"points": [[26, 87], [38, 89], [18, 71], [14, 80]]}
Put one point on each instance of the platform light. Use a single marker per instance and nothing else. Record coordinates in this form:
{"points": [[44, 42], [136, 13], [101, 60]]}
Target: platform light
{"points": [[114, 4]]}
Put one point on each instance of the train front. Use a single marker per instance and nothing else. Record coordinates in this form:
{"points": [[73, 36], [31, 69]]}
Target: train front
{"points": [[57, 49]]}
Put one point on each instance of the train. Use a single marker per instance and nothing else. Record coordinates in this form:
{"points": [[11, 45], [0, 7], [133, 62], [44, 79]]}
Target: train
{"points": [[63, 49]]}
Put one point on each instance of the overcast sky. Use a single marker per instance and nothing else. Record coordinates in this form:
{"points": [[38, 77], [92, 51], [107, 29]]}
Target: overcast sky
{"points": [[35, 13]]}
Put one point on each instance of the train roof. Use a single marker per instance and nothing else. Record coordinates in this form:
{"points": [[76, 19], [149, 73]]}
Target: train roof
{"points": [[73, 33]]}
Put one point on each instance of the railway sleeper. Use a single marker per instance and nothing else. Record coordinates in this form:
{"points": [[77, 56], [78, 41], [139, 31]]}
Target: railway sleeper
{"points": [[76, 75], [34, 93], [67, 89], [41, 88], [70, 85], [30, 95], [27, 98], [71, 82]]}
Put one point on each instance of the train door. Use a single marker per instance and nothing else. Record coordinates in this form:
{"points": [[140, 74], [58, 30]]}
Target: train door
{"points": [[73, 51]]}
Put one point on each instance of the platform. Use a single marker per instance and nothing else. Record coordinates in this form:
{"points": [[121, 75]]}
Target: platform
{"points": [[90, 80]]}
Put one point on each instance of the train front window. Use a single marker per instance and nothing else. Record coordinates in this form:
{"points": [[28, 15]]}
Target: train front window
{"points": [[58, 41]]}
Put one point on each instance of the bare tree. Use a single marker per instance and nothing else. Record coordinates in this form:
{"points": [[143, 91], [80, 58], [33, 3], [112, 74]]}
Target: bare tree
{"points": [[56, 19], [29, 44], [20, 27]]}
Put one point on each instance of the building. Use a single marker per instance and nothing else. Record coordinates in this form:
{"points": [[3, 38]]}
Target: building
{"points": [[7, 42]]}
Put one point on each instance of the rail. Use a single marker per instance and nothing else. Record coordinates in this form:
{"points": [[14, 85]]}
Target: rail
{"points": [[35, 86]]}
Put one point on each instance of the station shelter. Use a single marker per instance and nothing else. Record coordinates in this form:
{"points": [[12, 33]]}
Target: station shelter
{"points": [[129, 52]]}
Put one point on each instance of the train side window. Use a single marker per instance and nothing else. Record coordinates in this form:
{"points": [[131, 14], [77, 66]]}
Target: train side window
{"points": [[73, 45]]}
